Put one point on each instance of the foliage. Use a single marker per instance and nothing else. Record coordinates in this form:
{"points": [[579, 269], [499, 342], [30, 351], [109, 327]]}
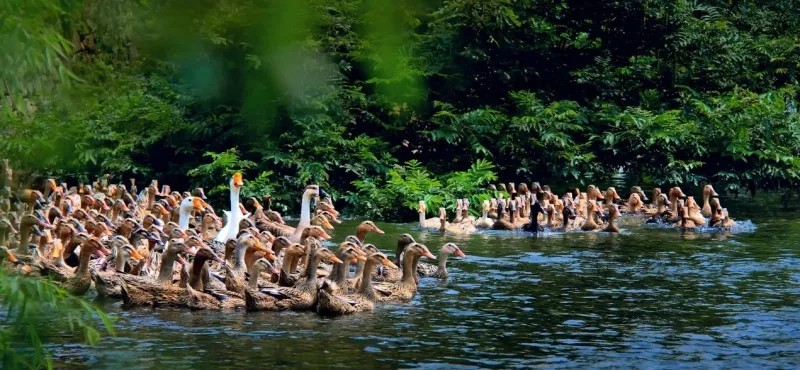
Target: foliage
{"points": [[360, 98], [25, 302], [398, 194]]}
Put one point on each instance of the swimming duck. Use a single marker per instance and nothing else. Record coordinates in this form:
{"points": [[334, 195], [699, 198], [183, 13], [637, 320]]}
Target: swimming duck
{"points": [[231, 228], [454, 228], [362, 300], [440, 271], [708, 192], [108, 284], [484, 222], [79, 282], [304, 295], [311, 191], [348, 253], [430, 223], [366, 227], [613, 214], [254, 299], [406, 288]]}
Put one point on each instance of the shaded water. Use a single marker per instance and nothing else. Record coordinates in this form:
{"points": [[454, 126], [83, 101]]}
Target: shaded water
{"points": [[649, 297]]}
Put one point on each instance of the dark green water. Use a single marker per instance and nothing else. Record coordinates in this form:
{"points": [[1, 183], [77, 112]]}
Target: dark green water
{"points": [[646, 298]]}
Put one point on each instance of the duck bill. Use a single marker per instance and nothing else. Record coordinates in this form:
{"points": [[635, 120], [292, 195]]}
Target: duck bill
{"points": [[12, 258], [323, 194], [271, 257], [360, 257], [335, 259], [459, 253], [136, 256], [429, 255], [379, 231], [325, 236]]}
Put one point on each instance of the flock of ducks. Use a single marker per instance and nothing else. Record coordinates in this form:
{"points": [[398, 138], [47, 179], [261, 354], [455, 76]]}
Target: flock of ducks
{"points": [[538, 209], [162, 248]]}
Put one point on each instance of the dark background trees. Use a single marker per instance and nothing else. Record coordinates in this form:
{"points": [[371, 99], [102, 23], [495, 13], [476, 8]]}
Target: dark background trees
{"points": [[345, 93]]}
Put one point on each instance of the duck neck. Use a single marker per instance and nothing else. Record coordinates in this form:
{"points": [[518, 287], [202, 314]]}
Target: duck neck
{"points": [[120, 261], [366, 279], [24, 236], [234, 198], [706, 204], [361, 234], [305, 211], [340, 276], [196, 273], [408, 269], [183, 220], [255, 270], [311, 270], [288, 260], [238, 257], [421, 219], [442, 270], [83, 267], [167, 265], [398, 252]]}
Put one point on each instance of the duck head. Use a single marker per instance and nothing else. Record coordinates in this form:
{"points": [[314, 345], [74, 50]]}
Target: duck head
{"points": [[708, 191], [452, 249], [380, 258], [421, 207], [638, 190], [369, 226]]}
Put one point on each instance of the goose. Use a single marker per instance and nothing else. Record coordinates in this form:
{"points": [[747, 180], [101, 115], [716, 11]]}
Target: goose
{"points": [[231, 228]]}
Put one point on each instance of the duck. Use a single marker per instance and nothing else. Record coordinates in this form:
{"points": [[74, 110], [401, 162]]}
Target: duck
{"points": [[231, 228], [362, 300], [430, 223], [613, 214], [311, 191], [291, 255], [235, 273], [634, 204], [459, 214], [501, 223], [144, 291], [693, 212], [440, 271], [186, 207], [406, 288], [354, 283], [107, 284], [367, 227], [348, 253], [611, 196], [536, 209], [675, 193], [484, 222], [592, 211], [708, 192], [253, 298], [453, 228], [80, 282], [303, 296]]}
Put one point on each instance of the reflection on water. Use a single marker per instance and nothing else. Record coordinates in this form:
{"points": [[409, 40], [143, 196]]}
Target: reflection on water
{"points": [[648, 297]]}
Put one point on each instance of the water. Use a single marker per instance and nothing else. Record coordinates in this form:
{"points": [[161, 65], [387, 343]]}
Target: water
{"points": [[646, 298]]}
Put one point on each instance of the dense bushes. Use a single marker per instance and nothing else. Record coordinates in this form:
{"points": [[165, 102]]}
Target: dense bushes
{"points": [[386, 105]]}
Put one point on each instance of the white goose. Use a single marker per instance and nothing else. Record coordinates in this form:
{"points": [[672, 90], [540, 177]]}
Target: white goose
{"points": [[311, 191], [233, 216], [185, 209]]}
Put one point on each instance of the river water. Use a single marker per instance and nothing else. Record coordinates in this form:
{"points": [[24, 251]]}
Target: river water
{"points": [[645, 298]]}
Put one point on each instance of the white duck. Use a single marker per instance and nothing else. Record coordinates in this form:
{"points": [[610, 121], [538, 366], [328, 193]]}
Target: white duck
{"points": [[186, 207], [311, 191], [233, 216]]}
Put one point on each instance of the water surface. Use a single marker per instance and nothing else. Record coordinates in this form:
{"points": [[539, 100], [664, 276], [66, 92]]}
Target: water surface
{"points": [[648, 297]]}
